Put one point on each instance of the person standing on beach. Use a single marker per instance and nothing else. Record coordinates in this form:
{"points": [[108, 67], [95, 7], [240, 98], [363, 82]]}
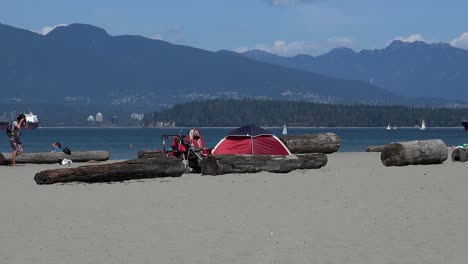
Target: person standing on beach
{"points": [[13, 134]]}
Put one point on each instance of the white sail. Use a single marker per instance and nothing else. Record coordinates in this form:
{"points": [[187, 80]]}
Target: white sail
{"points": [[285, 130], [389, 127], [423, 125]]}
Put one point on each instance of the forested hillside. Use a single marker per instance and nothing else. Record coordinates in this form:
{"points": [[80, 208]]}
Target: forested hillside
{"points": [[292, 113]]}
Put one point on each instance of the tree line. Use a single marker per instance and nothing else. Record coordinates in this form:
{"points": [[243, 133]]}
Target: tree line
{"points": [[232, 112]]}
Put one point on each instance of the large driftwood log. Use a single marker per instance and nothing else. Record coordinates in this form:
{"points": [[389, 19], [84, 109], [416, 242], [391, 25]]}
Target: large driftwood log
{"points": [[375, 148], [312, 143], [414, 152], [460, 154], [121, 171], [224, 164], [150, 153], [50, 158]]}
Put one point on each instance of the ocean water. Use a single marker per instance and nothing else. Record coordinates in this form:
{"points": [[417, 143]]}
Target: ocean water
{"points": [[118, 140]]}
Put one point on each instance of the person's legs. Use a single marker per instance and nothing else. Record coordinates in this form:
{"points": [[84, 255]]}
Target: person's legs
{"points": [[17, 147], [13, 158]]}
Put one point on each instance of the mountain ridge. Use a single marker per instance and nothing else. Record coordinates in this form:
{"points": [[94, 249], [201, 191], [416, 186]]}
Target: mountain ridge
{"points": [[412, 69], [80, 62]]}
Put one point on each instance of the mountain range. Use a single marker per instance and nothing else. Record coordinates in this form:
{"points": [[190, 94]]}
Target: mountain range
{"points": [[82, 64], [414, 70]]}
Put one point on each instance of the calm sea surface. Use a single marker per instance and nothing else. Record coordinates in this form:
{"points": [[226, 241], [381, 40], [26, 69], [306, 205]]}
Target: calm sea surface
{"points": [[117, 140]]}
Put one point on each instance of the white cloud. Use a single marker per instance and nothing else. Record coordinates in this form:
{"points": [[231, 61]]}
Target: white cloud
{"points": [[461, 41], [347, 42], [156, 37], [45, 30], [411, 38], [284, 48], [241, 49]]}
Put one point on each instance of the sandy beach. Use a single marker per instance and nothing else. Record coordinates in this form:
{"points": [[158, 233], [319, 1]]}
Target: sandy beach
{"points": [[354, 210]]}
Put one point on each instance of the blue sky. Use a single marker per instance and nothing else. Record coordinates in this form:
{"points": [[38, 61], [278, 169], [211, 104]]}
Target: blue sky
{"points": [[285, 27]]}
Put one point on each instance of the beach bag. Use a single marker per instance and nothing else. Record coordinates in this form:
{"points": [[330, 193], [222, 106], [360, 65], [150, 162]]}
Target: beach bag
{"points": [[66, 162], [66, 151]]}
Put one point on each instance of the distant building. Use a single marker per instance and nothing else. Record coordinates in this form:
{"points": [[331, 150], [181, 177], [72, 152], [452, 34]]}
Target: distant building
{"points": [[99, 117], [90, 118], [137, 116], [115, 120], [165, 124]]}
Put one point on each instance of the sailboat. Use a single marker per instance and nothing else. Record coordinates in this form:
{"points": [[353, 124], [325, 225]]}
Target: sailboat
{"points": [[285, 130], [423, 125], [394, 127], [389, 127]]}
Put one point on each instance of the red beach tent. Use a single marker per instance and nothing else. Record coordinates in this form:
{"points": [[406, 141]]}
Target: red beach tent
{"points": [[251, 140]]}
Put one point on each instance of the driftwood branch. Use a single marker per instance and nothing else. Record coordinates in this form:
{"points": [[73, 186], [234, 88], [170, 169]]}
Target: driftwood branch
{"points": [[50, 158], [224, 164], [375, 148], [460, 154], [312, 143], [414, 152], [149, 153], [127, 170]]}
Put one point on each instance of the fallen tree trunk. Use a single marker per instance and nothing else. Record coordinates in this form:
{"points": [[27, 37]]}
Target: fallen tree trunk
{"points": [[149, 153], [375, 148], [312, 143], [460, 154], [414, 152], [224, 164], [50, 158], [121, 171]]}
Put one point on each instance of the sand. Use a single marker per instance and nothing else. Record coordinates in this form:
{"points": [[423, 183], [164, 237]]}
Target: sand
{"points": [[354, 210]]}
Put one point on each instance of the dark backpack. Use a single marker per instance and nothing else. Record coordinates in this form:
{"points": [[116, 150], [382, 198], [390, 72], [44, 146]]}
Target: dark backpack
{"points": [[10, 130], [66, 151]]}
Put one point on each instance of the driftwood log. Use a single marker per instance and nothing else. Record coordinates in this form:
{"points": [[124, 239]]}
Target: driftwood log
{"points": [[414, 152], [460, 154], [121, 171], [224, 164], [150, 153], [50, 158], [312, 143], [375, 148]]}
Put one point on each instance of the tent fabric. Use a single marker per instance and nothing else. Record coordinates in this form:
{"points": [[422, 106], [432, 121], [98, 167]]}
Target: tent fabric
{"points": [[234, 145], [269, 145], [253, 141], [250, 130]]}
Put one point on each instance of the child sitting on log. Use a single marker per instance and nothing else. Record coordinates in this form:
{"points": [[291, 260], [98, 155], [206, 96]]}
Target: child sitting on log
{"points": [[56, 147]]}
